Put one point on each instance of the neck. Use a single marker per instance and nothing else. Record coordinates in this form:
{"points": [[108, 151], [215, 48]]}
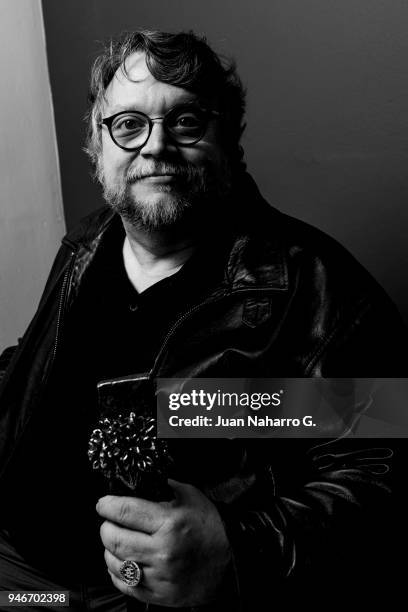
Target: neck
{"points": [[150, 247], [150, 256]]}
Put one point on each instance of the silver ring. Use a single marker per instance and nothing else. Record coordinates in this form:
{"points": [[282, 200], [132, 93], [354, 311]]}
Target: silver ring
{"points": [[131, 573]]}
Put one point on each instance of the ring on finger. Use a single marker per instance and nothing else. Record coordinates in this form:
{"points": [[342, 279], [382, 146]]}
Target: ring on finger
{"points": [[131, 573]]}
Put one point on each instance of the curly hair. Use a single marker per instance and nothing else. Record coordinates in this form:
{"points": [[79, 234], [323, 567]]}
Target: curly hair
{"points": [[182, 59]]}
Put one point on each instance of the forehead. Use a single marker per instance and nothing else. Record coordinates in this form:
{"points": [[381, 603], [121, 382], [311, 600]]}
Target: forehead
{"points": [[138, 89]]}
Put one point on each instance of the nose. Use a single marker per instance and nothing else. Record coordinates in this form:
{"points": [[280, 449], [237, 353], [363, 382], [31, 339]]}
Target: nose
{"points": [[157, 142]]}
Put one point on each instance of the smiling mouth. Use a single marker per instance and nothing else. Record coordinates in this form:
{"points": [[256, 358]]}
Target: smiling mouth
{"points": [[158, 178]]}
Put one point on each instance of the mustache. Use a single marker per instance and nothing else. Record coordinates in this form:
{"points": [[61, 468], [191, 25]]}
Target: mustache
{"points": [[186, 171]]}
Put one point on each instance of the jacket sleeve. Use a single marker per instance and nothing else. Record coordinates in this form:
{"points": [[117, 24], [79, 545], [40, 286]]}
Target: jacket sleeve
{"points": [[310, 520]]}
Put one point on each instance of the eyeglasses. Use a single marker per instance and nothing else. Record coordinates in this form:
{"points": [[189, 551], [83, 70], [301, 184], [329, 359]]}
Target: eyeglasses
{"points": [[184, 124]]}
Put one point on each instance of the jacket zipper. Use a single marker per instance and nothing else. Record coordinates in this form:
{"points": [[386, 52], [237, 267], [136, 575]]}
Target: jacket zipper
{"points": [[176, 325], [185, 316], [61, 305]]}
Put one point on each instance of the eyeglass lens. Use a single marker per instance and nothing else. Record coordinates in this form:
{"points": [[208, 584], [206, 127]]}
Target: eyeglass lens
{"points": [[131, 129]]}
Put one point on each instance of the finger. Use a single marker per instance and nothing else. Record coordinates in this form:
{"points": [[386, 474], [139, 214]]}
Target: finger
{"points": [[132, 512], [141, 591], [126, 543], [138, 592]]}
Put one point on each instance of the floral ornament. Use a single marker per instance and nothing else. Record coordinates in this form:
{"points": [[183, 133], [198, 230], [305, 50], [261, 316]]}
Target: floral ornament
{"points": [[126, 449]]}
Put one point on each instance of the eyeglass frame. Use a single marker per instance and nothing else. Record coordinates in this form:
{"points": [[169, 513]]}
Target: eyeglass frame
{"points": [[108, 121]]}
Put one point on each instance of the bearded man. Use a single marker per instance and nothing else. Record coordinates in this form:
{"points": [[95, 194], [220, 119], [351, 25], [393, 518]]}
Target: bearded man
{"points": [[187, 272]]}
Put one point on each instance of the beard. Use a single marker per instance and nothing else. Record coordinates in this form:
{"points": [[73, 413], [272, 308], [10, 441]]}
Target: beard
{"points": [[195, 192]]}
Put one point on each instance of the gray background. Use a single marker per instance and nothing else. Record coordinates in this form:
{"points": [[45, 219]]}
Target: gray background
{"points": [[327, 137]]}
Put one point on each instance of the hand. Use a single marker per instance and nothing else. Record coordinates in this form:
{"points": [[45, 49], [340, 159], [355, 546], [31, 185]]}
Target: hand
{"points": [[181, 546]]}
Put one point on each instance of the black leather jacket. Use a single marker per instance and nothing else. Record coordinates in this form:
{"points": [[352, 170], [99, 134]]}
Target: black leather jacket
{"points": [[291, 302]]}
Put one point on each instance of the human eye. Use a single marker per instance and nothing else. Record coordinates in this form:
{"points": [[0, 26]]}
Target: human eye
{"points": [[185, 120], [188, 120], [128, 124]]}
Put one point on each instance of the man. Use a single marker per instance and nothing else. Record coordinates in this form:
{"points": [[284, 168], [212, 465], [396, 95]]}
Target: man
{"points": [[187, 272]]}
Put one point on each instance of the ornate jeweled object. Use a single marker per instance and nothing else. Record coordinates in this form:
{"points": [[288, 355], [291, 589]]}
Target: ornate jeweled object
{"points": [[124, 447]]}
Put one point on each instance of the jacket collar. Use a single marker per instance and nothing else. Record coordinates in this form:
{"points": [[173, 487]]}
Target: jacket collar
{"points": [[257, 259]]}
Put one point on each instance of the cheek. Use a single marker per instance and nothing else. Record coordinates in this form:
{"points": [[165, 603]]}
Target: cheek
{"points": [[205, 154], [114, 164]]}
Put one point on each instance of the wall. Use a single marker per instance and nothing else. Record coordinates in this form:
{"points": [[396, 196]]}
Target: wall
{"points": [[31, 215], [327, 136]]}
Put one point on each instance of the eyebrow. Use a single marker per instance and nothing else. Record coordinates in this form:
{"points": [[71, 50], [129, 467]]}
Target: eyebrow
{"points": [[118, 108]]}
